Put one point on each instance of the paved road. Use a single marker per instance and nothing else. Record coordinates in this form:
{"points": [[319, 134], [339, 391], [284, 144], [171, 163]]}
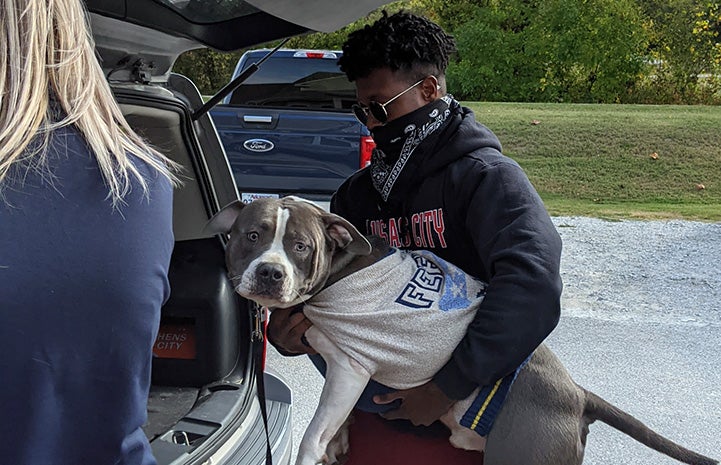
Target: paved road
{"points": [[665, 371]]}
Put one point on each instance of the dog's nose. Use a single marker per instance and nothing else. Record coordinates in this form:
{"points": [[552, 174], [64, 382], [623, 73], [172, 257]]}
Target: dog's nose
{"points": [[271, 272]]}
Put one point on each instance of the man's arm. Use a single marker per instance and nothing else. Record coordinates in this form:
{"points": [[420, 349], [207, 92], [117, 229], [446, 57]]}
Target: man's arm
{"points": [[520, 249], [286, 331]]}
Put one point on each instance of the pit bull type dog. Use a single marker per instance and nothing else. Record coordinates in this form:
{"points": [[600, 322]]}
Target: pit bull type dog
{"points": [[283, 252]]}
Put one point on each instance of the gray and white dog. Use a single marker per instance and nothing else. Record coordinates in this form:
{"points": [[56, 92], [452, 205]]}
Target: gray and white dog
{"points": [[283, 252]]}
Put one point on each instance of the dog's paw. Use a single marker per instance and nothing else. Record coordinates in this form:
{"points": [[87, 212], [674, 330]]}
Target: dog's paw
{"points": [[338, 447]]}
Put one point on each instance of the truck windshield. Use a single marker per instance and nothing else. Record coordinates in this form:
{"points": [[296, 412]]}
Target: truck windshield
{"points": [[297, 82]]}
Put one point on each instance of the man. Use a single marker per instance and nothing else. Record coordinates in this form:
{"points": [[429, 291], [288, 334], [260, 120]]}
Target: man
{"points": [[438, 181]]}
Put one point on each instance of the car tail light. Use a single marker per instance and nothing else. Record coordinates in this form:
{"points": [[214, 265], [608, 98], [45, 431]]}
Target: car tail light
{"points": [[366, 150], [314, 54]]}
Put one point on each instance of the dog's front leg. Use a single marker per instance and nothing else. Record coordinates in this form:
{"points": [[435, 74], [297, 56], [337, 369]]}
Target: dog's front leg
{"points": [[345, 380]]}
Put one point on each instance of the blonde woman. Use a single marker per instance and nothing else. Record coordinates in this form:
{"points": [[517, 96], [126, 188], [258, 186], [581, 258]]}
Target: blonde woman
{"points": [[85, 243]]}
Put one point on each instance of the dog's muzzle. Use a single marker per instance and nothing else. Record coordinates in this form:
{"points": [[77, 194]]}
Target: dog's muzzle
{"points": [[270, 274], [270, 281]]}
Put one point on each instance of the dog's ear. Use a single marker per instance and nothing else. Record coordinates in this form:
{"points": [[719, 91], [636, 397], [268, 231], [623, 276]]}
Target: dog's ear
{"points": [[222, 221], [346, 235]]}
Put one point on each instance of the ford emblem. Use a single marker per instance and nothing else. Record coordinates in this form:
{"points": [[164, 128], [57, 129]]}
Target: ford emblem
{"points": [[258, 145]]}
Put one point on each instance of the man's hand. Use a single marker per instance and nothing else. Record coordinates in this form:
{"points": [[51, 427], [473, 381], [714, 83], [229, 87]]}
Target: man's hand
{"points": [[286, 331], [421, 405]]}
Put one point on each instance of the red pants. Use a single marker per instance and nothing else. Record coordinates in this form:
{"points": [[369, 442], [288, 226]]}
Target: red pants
{"points": [[373, 441]]}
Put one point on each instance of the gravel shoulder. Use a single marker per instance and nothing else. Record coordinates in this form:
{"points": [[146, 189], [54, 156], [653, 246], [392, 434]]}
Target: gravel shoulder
{"points": [[651, 271]]}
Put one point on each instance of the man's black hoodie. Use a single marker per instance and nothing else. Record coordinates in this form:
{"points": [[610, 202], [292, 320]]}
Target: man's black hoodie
{"points": [[461, 198]]}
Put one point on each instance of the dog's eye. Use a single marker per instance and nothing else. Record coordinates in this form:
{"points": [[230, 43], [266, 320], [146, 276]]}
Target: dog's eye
{"points": [[300, 247], [252, 236]]}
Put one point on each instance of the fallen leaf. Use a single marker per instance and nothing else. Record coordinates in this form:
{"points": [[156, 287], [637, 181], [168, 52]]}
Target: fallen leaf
{"points": [[654, 156], [700, 187], [535, 122]]}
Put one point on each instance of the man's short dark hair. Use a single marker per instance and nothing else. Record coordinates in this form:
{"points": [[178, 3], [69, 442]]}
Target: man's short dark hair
{"points": [[402, 42]]}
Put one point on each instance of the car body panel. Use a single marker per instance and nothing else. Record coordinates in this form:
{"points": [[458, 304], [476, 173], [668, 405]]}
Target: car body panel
{"points": [[311, 153]]}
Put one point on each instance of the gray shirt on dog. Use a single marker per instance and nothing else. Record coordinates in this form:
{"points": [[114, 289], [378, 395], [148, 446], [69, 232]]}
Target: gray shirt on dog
{"points": [[400, 318]]}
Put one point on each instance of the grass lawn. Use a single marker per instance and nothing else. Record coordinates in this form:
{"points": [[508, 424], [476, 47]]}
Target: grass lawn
{"points": [[615, 161]]}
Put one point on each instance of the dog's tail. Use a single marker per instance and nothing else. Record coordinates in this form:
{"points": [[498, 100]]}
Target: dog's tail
{"points": [[598, 409]]}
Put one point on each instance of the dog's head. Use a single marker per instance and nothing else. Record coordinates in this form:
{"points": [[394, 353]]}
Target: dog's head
{"points": [[282, 251]]}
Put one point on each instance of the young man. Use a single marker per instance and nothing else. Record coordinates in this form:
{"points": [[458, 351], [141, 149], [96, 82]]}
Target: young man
{"points": [[438, 181]]}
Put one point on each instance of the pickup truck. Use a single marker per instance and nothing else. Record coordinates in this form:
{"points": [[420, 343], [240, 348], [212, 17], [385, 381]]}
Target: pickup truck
{"points": [[289, 129]]}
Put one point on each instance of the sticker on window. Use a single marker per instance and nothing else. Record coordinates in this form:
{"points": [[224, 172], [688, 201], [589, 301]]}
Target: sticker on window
{"points": [[249, 197]]}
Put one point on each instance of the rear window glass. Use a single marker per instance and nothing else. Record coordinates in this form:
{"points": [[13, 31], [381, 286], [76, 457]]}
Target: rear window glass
{"points": [[296, 82], [210, 11]]}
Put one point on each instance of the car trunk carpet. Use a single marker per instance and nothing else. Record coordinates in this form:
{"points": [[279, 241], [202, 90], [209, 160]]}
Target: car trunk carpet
{"points": [[375, 440], [167, 405]]}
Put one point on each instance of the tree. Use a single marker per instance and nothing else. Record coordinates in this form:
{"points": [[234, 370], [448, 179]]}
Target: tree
{"points": [[493, 62], [650, 51], [209, 69], [555, 50], [592, 50], [685, 47]]}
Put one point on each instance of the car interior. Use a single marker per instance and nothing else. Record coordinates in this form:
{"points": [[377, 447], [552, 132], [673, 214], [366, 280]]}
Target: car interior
{"points": [[203, 312]]}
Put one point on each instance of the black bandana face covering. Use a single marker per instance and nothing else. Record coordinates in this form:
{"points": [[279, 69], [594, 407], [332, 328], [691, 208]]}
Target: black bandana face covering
{"points": [[397, 139]]}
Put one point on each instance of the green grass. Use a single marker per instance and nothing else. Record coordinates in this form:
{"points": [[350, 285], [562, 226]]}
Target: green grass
{"points": [[595, 160]]}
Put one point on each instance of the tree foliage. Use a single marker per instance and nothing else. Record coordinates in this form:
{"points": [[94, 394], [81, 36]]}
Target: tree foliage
{"points": [[685, 47], [210, 70], [493, 61], [553, 50], [649, 51]]}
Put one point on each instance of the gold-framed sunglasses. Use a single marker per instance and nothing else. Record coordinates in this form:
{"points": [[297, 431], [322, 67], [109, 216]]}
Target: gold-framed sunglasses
{"points": [[378, 110]]}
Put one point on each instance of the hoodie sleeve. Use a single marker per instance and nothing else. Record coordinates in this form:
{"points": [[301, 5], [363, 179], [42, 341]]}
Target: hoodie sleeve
{"points": [[519, 251]]}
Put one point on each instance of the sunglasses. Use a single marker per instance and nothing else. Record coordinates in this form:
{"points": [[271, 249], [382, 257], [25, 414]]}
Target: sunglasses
{"points": [[378, 110]]}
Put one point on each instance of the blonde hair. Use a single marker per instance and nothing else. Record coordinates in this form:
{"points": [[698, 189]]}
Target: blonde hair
{"points": [[46, 49]]}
